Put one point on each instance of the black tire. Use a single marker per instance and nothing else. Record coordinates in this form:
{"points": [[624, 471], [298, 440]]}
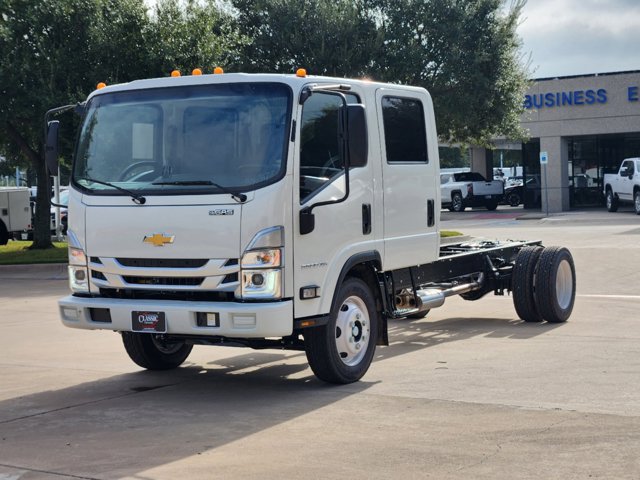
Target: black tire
{"points": [[611, 201], [332, 350], [4, 234], [457, 205], [153, 352], [491, 205], [514, 199], [555, 284], [636, 202], [523, 283]]}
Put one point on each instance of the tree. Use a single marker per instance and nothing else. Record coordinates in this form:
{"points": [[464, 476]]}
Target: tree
{"points": [[466, 53], [327, 37], [186, 35], [54, 52]]}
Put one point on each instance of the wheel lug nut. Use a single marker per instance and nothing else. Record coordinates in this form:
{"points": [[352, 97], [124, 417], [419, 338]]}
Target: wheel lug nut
{"points": [[358, 316], [357, 346]]}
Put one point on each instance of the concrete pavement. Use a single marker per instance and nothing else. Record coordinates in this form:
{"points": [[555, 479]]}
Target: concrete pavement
{"points": [[468, 392]]}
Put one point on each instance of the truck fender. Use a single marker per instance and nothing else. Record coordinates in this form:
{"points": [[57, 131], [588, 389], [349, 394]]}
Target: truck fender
{"points": [[362, 265]]}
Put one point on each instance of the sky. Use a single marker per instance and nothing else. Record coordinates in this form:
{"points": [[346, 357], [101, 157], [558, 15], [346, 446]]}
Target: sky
{"points": [[574, 37]]}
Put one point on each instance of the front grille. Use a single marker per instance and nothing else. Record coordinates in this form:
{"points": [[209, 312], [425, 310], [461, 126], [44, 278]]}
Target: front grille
{"points": [[163, 262], [168, 281], [189, 295]]}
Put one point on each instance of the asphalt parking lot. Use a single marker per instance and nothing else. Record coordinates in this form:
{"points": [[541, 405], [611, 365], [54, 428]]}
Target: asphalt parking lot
{"points": [[468, 392]]}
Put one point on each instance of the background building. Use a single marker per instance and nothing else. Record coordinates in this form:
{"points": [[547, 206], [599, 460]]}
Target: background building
{"points": [[587, 124]]}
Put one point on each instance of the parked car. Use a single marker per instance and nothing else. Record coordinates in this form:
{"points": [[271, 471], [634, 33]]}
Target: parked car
{"points": [[624, 186], [469, 189], [514, 192]]}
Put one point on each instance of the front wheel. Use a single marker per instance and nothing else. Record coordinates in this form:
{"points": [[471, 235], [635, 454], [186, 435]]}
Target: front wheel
{"points": [[513, 199], [155, 352], [612, 201], [636, 202], [492, 205], [341, 351], [456, 202]]}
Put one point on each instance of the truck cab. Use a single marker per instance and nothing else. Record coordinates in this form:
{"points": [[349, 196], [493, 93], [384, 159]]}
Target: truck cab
{"points": [[235, 206]]}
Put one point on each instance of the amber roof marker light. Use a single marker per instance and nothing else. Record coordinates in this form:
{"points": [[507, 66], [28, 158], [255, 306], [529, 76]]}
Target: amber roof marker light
{"points": [[175, 73], [101, 85], [218, 71], [301, 72], [196, 71]]}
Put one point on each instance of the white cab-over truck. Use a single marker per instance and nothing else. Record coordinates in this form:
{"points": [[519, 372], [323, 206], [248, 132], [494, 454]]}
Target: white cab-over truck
{"points": [[273, 211], [15, 213], [624, 186]]}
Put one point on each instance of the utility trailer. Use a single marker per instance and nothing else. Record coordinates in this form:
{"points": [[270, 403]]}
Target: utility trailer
{"points": [[273, 211], [15, 213]]}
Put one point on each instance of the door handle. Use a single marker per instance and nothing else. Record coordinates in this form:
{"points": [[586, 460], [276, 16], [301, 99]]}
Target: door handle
{"points": [[431, 213], [366, 218]]}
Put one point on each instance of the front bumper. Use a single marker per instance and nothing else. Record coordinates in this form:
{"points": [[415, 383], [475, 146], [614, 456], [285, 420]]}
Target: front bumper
{"points": [[237, 320]]}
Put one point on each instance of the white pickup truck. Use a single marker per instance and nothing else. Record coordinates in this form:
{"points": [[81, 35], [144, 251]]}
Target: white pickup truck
{"points": [[624, 186], [469, 189]]}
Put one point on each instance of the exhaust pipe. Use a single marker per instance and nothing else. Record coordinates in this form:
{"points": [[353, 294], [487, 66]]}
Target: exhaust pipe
{"points": [[433, 298]]}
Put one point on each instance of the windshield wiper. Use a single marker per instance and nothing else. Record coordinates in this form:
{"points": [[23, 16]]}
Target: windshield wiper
{"points": [[239, 197], [139, 199]]}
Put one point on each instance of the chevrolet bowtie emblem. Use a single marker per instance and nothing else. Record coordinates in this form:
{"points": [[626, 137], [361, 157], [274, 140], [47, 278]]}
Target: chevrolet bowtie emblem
{"points": [[158, 239]]}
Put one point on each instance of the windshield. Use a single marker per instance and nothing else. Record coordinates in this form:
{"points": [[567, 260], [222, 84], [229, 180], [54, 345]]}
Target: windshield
{"points": [[192, 139]]}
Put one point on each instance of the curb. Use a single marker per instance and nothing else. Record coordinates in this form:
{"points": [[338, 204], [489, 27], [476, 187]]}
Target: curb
{"points": [[42, 271]]}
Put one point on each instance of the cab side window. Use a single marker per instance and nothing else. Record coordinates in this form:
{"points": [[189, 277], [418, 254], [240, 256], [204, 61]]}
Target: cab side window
{"points": [[404, 130], [320, 146]]}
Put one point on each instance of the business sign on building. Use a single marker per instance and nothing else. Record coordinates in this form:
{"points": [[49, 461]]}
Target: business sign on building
{"points": [[575, 97]]}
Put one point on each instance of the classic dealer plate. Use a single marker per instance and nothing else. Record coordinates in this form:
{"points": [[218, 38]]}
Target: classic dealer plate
{"points": [[154, 322]]}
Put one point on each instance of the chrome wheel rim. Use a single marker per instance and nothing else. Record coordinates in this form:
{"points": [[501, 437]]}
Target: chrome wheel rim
{"points": [[353, 332], [609, 200], [457, 202], [564, 284], [637, 202]]}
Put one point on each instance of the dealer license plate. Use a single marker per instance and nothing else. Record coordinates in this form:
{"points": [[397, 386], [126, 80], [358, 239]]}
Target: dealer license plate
{"points": [[153, 322]]}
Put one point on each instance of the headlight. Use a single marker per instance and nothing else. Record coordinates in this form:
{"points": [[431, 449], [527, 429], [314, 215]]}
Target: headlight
{"points": [[77, 256], [262, 258], [258, 277], [78, 271], [261, 284], [78, 279]]}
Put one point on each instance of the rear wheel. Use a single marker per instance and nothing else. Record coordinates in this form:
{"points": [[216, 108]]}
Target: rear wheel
{"points": [[555, 284], [514, 199], [4, 235], [456, 202], [523, 282], [341, 351], [155, 352], [612, 201]]}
